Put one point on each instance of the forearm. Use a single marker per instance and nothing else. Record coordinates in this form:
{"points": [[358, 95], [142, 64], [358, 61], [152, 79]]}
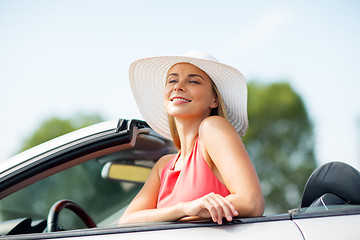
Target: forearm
{"points": [[172, 213]]}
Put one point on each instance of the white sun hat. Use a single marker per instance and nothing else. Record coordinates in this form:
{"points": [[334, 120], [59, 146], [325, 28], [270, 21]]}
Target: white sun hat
{"points": [[148, 78]]}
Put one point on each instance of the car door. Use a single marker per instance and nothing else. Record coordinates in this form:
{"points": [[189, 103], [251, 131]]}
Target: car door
{"points": [[338, 223], [268, 227]]}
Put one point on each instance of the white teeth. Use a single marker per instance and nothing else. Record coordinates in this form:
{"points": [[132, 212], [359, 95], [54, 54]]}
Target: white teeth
{"points": [[180, 99]]}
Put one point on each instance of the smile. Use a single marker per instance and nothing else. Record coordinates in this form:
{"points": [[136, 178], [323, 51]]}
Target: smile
{"points": [[177, 99]]}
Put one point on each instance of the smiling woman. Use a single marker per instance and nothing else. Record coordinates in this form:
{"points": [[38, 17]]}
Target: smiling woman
{"points": [[196, 83], [183, 98], [189, 91]]}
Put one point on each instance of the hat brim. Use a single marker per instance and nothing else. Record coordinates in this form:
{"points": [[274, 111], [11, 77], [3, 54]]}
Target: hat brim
{"points": [[148, 78]]}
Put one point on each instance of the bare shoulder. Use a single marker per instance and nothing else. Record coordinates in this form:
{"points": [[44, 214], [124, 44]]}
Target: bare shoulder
{"points": [[214, 126], [164, 159], [160, 164], [218, 137]]}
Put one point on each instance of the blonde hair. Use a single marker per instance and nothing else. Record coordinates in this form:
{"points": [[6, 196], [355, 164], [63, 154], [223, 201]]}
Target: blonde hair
{"points": [[218, 111]]}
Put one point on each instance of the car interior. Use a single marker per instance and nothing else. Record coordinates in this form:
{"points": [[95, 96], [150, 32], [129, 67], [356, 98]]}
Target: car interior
{"points": [[126, 170], [334, 183]]}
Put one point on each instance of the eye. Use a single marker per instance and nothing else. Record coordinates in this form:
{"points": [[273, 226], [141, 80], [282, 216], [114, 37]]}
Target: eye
{"points": [[172, 81], [194, 81]]}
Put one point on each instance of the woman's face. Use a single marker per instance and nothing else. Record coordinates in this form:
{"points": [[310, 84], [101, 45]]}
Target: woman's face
{"points": [[188, 92]]}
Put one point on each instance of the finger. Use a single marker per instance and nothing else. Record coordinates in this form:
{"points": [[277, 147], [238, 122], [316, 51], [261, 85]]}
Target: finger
{"points": [[213, 207], [222, 206], [209, 205], [228, 208], [231, 207], [221, 210], [225, 207]]}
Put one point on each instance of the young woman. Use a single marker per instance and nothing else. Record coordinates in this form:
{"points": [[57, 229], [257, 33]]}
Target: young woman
{"points": [[200, 104]]}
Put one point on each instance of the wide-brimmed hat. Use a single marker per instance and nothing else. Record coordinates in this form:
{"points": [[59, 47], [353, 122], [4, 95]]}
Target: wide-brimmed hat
{"points": [[148, 78]]}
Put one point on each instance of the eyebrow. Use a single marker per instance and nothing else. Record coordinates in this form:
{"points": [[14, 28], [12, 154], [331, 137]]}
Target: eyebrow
{"points": [[189, 75], [195, 75], [173, 74]]}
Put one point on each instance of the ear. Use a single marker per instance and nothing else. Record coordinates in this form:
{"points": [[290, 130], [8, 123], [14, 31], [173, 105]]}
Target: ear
{"points": [[214, 103]]}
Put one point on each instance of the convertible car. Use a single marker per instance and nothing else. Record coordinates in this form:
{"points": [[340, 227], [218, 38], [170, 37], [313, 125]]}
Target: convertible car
{"points": [[77, 186]]}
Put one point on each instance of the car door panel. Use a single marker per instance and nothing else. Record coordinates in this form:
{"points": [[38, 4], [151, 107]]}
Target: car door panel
{"points": [[261, 230], [333, 227]]}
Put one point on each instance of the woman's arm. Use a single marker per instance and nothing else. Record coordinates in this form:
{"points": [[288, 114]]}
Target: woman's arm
{"points": [[226, 155], [230, 159], [143, 207]]}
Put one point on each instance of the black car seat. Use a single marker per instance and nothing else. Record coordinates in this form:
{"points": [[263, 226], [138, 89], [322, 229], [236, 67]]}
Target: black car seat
{"points": [[333, 183]]}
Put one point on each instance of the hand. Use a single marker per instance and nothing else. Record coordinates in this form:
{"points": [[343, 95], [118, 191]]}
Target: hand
{"points": [[212, 205]]}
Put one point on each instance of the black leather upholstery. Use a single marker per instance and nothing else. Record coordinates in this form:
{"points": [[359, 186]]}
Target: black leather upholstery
{"points": [[334, 178]]}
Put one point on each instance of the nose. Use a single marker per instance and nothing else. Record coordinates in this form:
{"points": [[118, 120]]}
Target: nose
{"points": [[179, 86]]}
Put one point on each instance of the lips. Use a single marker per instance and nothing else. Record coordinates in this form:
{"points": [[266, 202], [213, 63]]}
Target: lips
{"points": [[180, 99]]}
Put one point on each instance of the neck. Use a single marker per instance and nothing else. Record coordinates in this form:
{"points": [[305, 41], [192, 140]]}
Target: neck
{"points": [[188, 130]]}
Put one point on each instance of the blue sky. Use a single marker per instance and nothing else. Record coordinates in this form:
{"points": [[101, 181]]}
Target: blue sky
{"points": [[58, 58]]}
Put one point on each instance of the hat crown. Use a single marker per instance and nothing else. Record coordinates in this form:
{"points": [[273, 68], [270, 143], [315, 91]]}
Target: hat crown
{"points": [[200, 55]]}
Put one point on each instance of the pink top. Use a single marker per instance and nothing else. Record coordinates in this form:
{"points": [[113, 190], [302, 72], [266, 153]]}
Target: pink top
{"points": [[193, 181]]}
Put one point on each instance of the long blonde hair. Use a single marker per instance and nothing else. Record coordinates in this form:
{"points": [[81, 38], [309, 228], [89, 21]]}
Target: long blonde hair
{"points": [[218, 111]]}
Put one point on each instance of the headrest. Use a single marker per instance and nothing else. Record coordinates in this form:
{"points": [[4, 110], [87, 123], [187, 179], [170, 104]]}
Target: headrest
{"points": [[337, 178]]}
